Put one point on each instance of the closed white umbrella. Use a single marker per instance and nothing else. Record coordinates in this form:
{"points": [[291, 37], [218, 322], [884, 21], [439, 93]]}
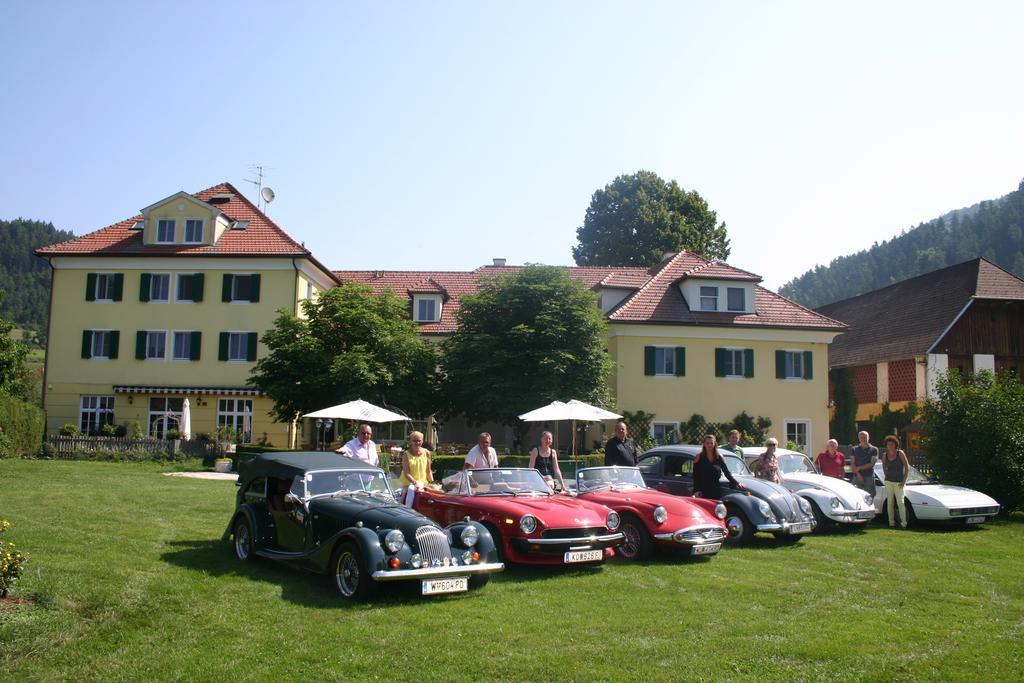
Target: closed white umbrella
{"points": [[570, 410], [246, 426], [186, 421]]}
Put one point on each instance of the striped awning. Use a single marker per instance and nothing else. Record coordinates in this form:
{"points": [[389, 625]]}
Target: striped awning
{"points": [[182, 391]]}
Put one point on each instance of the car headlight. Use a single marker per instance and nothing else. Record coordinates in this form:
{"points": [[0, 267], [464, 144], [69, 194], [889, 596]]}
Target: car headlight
{"points": [[395, 540], [528, 524], [416, 561], [613, 520], [868, 500], [660, 514], [805, 507], [766, 510], [835, 503], [720, 511], [469, 536]]}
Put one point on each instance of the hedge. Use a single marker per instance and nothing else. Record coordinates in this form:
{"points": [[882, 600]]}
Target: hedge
{"points": [[449, 463], [21, 428]]}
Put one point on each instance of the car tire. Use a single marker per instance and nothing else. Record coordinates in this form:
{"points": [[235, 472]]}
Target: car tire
{"points": [[351, 576], [823, 522], [740, 529], [478, 581], [244, 540], [499, 544], [637, 544], [911, 517]]}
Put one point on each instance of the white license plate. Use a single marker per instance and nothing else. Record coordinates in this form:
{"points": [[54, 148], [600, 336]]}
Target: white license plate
{"points": [[800, 528], [583, 556], [865, 514], [708, 549], [974, 520], [434, 586]]}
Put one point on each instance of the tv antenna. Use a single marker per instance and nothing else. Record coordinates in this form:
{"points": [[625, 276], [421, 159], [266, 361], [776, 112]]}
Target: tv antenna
{"points": [[266, 195]]}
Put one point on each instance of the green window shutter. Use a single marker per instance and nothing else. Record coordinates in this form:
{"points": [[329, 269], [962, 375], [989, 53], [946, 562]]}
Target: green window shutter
{"points": [[87, 344], [90, 287], [648, 360], [680, 361], [808, 365], [748, 362], [144, 282], [225, 292], [115, 338], [197, 282], [195, 345], [719, 362], [254, 293], [140, 345], [222, 354], [780, 365], [118, 286], [251, 351]]}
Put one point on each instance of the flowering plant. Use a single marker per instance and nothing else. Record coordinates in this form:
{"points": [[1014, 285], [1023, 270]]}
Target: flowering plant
{"points": [[12, 562]]}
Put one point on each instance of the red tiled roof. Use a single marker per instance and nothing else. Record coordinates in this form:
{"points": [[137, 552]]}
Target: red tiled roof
{"points": [[262, 237], [657, 299], [906, 319]]}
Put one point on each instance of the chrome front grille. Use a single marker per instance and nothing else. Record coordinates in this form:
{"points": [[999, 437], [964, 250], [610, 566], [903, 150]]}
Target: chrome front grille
{"points": [[433, 544], [711, 534]]}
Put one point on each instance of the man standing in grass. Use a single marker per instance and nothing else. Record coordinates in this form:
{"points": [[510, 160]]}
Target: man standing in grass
{"points": [[864, 458], [733, 444]]}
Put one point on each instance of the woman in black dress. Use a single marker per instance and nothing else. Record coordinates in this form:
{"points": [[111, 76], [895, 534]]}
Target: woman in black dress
{"points": [[708, 467]]}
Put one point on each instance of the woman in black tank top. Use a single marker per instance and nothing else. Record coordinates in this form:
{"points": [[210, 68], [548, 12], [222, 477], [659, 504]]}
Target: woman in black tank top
{"points": [[544, 459], [896, 468]]}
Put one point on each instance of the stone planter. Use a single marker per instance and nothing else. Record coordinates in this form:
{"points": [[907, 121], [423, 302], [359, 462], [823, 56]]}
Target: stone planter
{"points": [[222, 465]]}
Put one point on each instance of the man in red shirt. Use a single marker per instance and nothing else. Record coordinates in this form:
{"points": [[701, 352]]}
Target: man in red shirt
{"points": [[831, 462]]}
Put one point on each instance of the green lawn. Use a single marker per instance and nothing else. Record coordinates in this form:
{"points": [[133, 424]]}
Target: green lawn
{"points": [[133, 583]]}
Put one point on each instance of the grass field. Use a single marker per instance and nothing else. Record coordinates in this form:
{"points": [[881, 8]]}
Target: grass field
{"points": [[132, 582]]}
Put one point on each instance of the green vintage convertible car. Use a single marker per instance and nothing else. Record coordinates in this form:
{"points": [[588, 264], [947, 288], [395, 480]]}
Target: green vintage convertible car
{"points": [[338, 516]]}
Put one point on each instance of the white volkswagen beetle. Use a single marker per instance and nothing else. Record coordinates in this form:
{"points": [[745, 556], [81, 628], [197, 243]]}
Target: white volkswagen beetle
{"points": [[832, 500], [928, 501]]}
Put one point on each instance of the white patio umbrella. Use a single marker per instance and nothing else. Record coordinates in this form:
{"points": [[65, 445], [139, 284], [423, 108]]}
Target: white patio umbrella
{"points": [[571, 410], [186, 421], [246, 425], [359, 411]]}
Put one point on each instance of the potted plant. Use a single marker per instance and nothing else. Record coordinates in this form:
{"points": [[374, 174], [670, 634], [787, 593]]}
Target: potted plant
{"points": [[226, 437]]}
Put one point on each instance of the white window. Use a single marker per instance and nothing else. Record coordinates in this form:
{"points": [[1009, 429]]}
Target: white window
{"points": [[183, 346], [193, 231], [238, 346], [665, 432], [156, 345], [102, 343], [165, 231], [794, 364], [709, 298], [160, 287], [737, 299], [164, 414], [94, 412], [664, 360], [734, 365], [427, 309], [105, 287], [237, 414], [798, 434]]}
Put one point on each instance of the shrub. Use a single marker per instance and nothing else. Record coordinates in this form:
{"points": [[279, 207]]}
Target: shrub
{"points": [[639, 424], [173, 434], [134, 430], [69, 430], [12, 562], [108, 430], [22, 425]]}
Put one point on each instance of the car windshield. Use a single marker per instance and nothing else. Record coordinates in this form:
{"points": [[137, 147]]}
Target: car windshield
{"points": [[340, 482], [506, 482], [915, 477], [735, 464], [795, 462], [593, 478]]}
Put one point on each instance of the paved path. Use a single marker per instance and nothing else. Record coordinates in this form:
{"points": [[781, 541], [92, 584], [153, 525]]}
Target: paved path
{"points": [[227, 476]]}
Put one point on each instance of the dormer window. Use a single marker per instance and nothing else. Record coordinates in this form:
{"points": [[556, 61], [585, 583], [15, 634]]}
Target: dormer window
{"points": [[194, 231], [737, 299], [165, 231], [709, 298], [426, 309]]}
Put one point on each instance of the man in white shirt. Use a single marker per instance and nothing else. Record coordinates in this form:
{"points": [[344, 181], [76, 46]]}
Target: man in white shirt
{"points": [[362, 447], [481, 455]]}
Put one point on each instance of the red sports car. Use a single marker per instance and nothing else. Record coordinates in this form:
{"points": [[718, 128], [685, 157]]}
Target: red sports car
{"points": [[528, 522], [650, 517]]}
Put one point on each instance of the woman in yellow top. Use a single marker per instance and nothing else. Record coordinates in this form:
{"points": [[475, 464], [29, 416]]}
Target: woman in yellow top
{"points": [[415, 467]]}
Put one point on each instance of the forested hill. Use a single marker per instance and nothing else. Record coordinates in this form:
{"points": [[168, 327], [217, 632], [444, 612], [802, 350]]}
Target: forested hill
{"points": [[24, 278], [993, 229]]}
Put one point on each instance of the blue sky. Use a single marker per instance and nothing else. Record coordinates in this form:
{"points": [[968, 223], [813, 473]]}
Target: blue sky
{"points": [[441, 135]]}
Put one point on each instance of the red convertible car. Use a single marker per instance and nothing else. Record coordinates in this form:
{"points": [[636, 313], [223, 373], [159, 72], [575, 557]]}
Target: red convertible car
{"points": [[651, 518], [528, 522]]}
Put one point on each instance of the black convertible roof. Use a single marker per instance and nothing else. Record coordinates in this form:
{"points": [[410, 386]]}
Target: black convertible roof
{"points": [[291, 463]]}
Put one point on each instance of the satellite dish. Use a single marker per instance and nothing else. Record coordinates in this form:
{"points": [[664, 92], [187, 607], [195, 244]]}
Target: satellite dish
{"points": [[267, 194]]}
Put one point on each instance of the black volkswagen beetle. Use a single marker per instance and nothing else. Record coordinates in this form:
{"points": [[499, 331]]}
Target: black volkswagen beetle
{"points": [[761, 506], [338, 516]]}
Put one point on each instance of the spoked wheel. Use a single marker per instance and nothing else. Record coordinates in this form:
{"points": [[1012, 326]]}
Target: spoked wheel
{"points": [[243, 540], [351, 577], [740, 529], [637, 545]]}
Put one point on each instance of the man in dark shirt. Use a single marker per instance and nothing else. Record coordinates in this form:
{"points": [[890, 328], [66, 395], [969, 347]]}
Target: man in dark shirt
{"points": [[864, 458], [620, 449]]}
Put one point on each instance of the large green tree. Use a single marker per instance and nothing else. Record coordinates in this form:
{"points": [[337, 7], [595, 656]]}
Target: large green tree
{"points": [[25, 277], [637, 218], [351, 344], [15, 377], [974, 434], [524, 340]]}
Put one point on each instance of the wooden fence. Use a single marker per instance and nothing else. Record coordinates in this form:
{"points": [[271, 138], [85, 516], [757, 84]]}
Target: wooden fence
{"points": [[67, 447]]}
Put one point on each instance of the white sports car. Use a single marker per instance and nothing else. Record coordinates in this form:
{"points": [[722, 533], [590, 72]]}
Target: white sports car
{"points": [[931, 502], [832, 500]]}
